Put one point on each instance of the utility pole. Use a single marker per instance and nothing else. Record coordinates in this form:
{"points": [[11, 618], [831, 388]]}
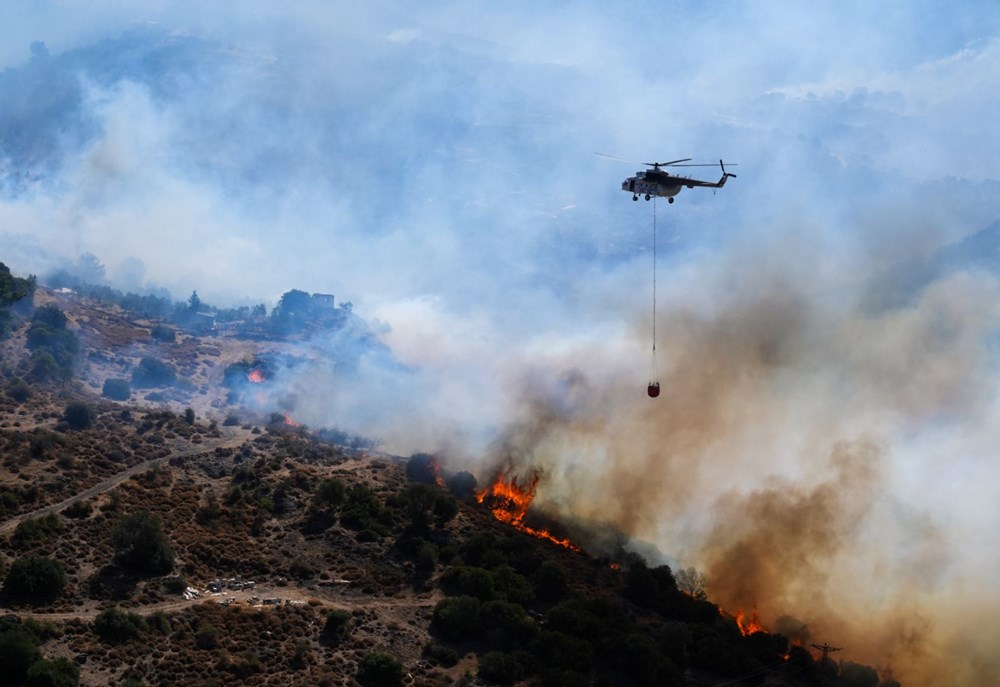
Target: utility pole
{"points": [[826, 649]]}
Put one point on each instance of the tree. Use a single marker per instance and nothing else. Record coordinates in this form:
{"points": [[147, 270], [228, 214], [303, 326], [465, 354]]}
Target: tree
{"points": [[140, 543], [18, 651], [115, 626], [153, 372], [330, 493], [189, 415], [117, 389], [89, 269], [194, 303], [337, 627], [78, 415], [457, 618], [379, 669], [162, 332], [692, 582], [60, 672], [18, 389], [35, 579]]}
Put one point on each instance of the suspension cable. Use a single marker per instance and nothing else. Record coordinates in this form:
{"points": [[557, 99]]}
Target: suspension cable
{"points": [[654, 275]]}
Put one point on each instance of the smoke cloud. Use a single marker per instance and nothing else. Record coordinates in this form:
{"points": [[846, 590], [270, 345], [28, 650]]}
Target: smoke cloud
{"points": [[824, 444]]}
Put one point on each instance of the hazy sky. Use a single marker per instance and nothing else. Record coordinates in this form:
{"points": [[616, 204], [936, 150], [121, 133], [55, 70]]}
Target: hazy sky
{"points": [[433, 163]]}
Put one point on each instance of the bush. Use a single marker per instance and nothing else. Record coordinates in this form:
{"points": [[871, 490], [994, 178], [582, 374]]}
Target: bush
{"points": [[18, 390], [330, 493], [441, 654], [115, 626], [379, 669], [502, 668], [117, 389], [35, 579], [60, 672], [550, 581], [31, 532], [79, 415], [18, 651], [337, 627], [140, 543], [152, 372], [457, 618], [462, 485], [162, 332], [207, 637]]}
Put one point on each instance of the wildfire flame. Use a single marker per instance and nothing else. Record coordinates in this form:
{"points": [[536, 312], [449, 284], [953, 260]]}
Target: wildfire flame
{"points": [[290, 422], [256, 376], [509, 501], [747, 625]]}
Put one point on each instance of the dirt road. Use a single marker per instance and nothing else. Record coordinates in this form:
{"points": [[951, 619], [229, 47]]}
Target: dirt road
{"points": [[232, 437]]}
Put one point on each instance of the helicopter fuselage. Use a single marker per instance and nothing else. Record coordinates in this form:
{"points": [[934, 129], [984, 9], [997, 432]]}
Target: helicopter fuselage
{"points": [[645, 184]]}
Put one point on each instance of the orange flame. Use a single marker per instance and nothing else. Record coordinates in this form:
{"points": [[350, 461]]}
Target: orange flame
{"points": [[747, 625], [256, 376], [290, 422], [509, 501]]}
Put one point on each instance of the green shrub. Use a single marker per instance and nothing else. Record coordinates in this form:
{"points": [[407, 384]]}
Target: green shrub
{"points": [[79, 415], [152, 372], [140, 543], [18, 390], [379, 669], [502, 668], [337, 627], [18, 651], [60, 672], [31, 532], [457, 618], [36, 579], [117, 389], [115, 626], [162, 332]]}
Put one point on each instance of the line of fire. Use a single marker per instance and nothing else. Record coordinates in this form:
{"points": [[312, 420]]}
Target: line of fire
{"points": [[509, 497]]}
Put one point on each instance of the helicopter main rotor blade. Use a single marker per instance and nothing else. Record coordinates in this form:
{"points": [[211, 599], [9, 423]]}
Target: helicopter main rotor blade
{"points": [[620, 159], [706, 164], [666, 164]]}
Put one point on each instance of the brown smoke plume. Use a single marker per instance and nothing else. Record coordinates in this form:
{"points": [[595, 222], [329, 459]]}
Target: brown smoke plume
{"points": [[795, 454]]}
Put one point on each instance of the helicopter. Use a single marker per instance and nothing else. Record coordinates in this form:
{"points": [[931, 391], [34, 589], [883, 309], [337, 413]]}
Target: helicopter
{"points": [[659, 182]]}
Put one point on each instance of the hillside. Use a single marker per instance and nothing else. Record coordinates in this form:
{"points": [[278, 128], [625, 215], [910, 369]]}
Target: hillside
{"points": [[130, 531]]}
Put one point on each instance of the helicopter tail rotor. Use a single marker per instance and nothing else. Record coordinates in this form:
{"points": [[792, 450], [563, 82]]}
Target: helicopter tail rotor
{"points": [[724, 172]]}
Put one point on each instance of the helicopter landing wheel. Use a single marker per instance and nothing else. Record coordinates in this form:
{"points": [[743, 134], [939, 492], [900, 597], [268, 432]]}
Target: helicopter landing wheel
{"points": [[670, 200], [635, 197], [647, 196]]}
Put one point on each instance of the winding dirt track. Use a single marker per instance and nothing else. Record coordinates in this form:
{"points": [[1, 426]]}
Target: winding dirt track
{"points": [[235, 438]]}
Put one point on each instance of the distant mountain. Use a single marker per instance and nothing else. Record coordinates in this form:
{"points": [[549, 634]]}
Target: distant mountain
{"points": [[904, 282]]}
